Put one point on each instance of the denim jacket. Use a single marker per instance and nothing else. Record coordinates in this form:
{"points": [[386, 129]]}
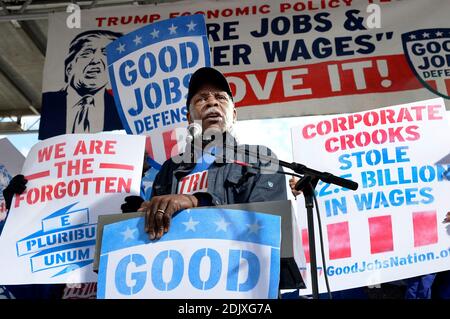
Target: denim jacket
{"points": [[229, 182]]}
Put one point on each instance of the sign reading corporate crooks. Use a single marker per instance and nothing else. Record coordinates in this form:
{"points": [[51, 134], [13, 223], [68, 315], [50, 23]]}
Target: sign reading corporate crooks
{"points": [[390, 227], [208, 253], [149, 71], [50, 233]]}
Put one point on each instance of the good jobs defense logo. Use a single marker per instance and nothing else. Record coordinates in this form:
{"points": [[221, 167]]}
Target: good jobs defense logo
{"points": [[428, 55]]}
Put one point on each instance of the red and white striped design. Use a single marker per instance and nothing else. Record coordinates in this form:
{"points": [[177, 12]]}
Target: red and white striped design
{"points": [[440, 85], [424, 231]]}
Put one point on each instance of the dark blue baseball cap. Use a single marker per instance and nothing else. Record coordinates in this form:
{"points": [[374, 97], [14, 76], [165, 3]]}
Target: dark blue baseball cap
{"points": [[210, 76]]}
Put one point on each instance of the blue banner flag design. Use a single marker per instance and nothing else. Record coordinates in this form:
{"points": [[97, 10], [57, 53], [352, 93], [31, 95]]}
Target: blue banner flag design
{"points": [[149, 71], [208, 253]]}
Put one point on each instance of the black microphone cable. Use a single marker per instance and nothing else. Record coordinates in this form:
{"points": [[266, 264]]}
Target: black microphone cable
{"points": [[322, 250]]}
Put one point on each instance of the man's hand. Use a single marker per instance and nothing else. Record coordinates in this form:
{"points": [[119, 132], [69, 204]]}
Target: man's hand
{"points": [[160, 209], [292, 182], [17, 185]]}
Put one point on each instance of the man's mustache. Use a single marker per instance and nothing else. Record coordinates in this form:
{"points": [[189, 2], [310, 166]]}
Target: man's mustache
{"points": [[210, 111]]}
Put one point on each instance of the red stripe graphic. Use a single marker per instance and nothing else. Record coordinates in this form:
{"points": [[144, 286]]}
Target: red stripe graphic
{"points": [[305, 243], [447, 85], [380, 229], [117, 166], [37, 175], [339, 240], [433, 84], [170, 143], [425, 228]]}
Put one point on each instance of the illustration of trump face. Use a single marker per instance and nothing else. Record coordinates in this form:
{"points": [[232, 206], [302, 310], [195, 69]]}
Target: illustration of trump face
{"points": [[85, 66]]}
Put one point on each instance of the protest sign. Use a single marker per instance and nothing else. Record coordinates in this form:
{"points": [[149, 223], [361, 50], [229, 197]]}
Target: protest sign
{"points": [[390, 228], [207, 253], [11, 161], [149, 70], [292, 58], [50, 233]]}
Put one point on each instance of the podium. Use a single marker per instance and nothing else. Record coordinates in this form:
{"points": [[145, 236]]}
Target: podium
{"points": [[290, 277]]}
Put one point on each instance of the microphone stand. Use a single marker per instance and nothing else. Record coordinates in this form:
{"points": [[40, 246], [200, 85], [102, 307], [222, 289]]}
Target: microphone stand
{"points": [[307, 185]]}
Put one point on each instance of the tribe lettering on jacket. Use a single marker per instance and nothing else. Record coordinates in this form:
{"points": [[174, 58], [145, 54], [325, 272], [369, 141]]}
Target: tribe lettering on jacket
{"points": [[197, 180], [80, 291]]}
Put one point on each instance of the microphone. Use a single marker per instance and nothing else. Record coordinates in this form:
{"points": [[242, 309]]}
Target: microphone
{"points": [[194, 132]]}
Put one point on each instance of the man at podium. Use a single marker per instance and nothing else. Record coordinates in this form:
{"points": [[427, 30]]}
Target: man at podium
{"points": [[209, 176]]}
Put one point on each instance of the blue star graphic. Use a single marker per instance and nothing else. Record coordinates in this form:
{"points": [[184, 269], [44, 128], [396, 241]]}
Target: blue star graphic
{"points": [[173, 29], [121, 48], [191, 224], [191, 26], [128, 233], [137, 40], [155, 33]]}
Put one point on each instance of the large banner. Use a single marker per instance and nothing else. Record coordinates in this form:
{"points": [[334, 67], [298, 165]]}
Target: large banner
{"points": [[11, 161], [287, 58], [391, 227], [50, 233], [149, 71], [208, 253]]}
